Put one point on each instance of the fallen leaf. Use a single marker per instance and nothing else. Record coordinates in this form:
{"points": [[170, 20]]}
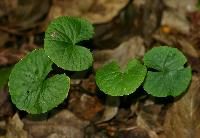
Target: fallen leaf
{"points": [[111, 108], [175, 15], [148, 118], [96, 11], [133, 48], [63, 124], [188, 48], [182, 118], [175, 20], [151, 14], [15, 128]]}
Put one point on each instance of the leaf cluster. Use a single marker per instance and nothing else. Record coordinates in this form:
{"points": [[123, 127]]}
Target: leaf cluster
{"points": [[33, 90], [30, 86], [163, 74]]}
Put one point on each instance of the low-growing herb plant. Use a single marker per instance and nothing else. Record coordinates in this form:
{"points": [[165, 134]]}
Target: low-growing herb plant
{"points": [[30, 87], [32, 90], [166, 74]]}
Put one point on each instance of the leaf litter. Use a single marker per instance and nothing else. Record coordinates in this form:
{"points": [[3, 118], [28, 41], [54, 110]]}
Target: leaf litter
{"points": [[124, 29]]}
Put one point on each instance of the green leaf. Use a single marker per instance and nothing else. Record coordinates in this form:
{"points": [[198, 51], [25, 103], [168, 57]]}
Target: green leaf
{"points": [[116, 83], [61, 38], [29, 87], [170, 77], [4, 73]]}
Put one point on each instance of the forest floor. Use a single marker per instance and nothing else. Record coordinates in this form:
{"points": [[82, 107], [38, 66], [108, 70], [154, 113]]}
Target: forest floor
{"points": [[124, 29]]}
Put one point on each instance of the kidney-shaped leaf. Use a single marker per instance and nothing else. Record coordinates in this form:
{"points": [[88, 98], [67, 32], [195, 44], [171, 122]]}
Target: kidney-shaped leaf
{"points": [[61, 38], [29, 87], [114, 82], [170, 78]]}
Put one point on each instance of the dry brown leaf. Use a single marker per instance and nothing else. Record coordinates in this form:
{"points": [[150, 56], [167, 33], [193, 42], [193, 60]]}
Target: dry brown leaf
{"points": [[139, 3], [111, 108], [63, 125], [97, 11], [188, 48], [152, 11], [182, 118], [133, 48], [175, 20], [148, 118], [176, 14], [15, 128]]}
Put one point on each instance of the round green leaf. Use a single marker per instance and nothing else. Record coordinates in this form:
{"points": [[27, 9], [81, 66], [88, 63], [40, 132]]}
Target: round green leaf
{"points": [[116, 83], [29, 87], [61, 38], [170, 77]]}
